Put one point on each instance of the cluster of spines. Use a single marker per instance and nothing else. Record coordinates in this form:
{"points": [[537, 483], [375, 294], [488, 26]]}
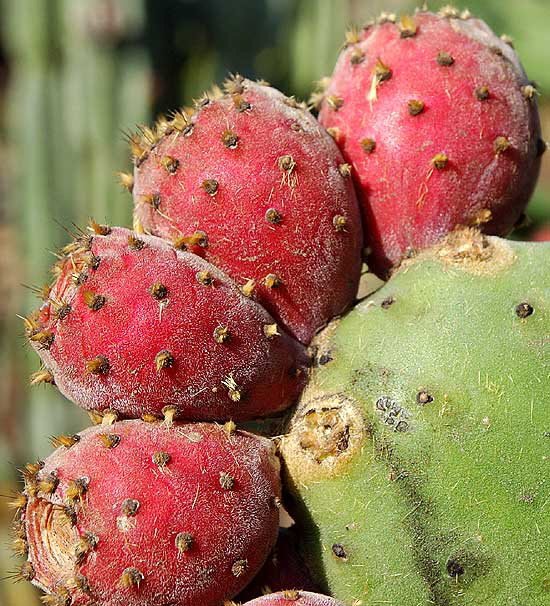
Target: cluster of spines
{"points": [[79, 254], [146, 139]]}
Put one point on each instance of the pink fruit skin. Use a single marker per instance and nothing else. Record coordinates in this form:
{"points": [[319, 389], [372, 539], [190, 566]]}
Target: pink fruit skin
{"points": [[248, 375], [541, 233], [301, 598], [232, 528], [318, 264], [284, 569], [408, 203]]}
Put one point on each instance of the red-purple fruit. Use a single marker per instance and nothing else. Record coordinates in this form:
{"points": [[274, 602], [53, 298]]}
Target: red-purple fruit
{"points": [[292, 597], [146, 514], [133, 325], [439, 122], [267, 192], [284, 568]]}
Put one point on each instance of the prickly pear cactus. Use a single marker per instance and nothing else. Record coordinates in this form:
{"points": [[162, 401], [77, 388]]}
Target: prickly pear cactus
{"points": [[420, 453]]}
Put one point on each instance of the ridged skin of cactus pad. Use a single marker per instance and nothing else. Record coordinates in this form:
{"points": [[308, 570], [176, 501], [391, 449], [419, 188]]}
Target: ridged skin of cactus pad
{"points": [[419, 454]]}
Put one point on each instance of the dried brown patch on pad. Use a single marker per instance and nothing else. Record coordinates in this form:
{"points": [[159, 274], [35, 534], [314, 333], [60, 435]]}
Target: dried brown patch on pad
{"points": [[327, 432], [468, 249]]}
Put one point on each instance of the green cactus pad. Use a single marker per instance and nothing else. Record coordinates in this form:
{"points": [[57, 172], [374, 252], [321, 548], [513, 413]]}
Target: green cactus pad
{"points": [[420, 453]]}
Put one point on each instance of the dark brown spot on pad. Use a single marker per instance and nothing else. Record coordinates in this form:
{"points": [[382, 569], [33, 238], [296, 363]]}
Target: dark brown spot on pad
{"points": [[524, 310], [454, 568], [387, 302], [324, 359], [339, 551], [423, 397], [392, 414]]}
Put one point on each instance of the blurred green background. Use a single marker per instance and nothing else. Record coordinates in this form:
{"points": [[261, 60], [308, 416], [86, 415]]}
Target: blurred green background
{"points": [[75, 75]]}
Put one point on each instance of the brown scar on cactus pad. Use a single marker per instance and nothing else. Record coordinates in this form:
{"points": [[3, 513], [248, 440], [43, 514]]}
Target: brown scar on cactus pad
{"points": [[468, 99], [151, 341], [264, 184], [470, 250], [124, 543], [326, 433]]}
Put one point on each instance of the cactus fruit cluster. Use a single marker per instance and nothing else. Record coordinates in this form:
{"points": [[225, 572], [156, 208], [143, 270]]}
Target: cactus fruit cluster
{"points": [[415, 449]]}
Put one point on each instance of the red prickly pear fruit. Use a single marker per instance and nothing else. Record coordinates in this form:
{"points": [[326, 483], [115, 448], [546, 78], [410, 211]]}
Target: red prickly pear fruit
{"points": [[145, 514], [292, 597], [137, 327], [440, 124], [253, 170], [283, 568]]}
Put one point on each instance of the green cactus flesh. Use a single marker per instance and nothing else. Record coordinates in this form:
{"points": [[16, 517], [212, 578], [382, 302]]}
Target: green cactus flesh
{"points": [[419, 455]]}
